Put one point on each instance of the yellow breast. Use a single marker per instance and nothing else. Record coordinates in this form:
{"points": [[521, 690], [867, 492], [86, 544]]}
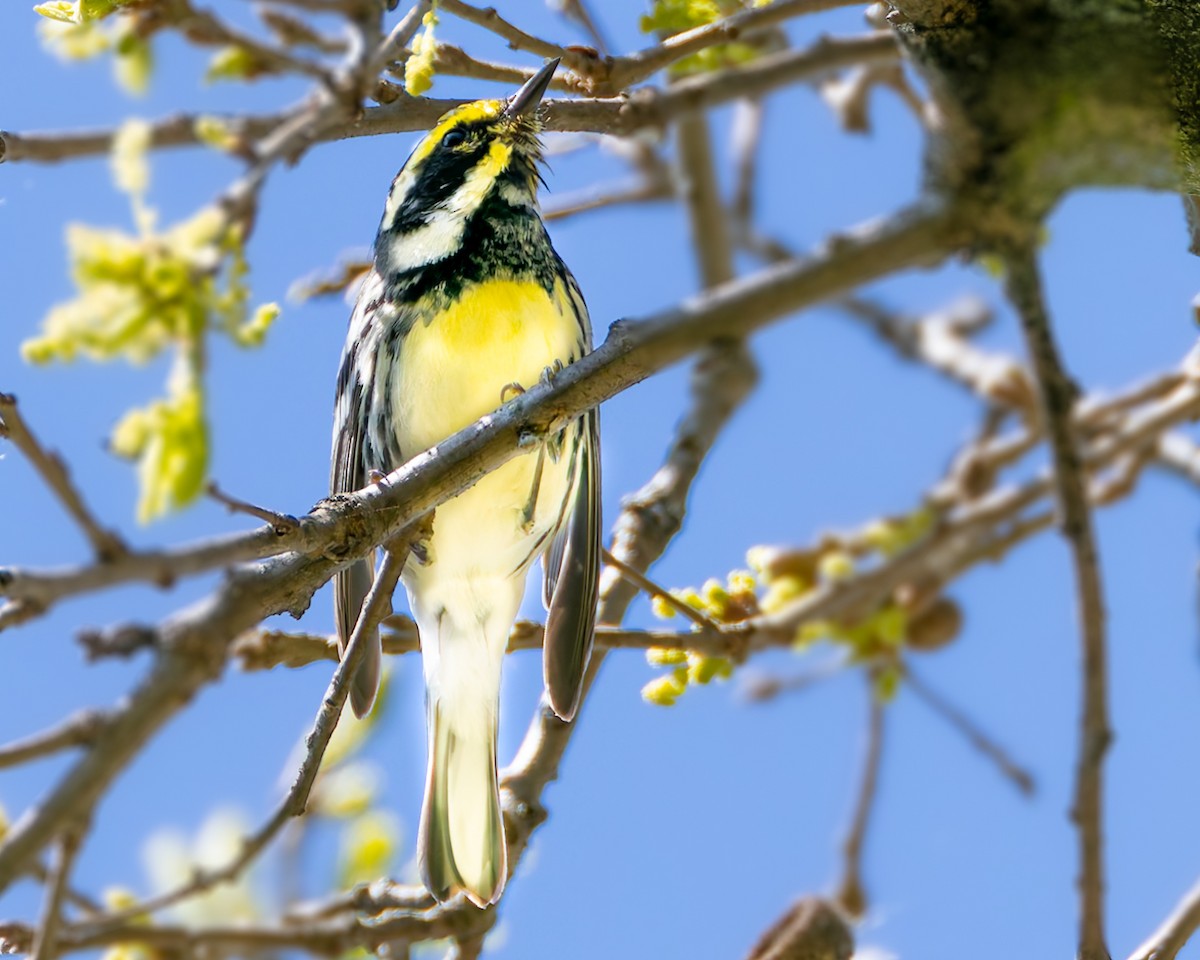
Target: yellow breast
{"points": [[453, 369]]}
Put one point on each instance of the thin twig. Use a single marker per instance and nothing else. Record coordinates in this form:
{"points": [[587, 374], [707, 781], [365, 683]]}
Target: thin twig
{"points": [[763, 688], [205, 27], [646, 585], [1166, 942], [514, 36], [851, 894], [41, 873], [107, 544], [578, 11], [282, 523], [45, 943], [79, 730], [640, 189], [1021, 778], [1024, 288]]}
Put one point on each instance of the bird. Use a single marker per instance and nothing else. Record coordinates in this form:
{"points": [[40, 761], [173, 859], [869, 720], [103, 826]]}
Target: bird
{"points": [[467, 302]]}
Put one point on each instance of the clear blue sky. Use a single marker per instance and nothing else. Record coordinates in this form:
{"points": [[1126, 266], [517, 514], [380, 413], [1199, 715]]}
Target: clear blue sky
{"points": [[678, 832]]}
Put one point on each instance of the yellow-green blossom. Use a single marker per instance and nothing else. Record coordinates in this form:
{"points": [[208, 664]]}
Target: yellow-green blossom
{"points": [[172, 859], [213, 132], [133, 64], [418, 68], [836, 565], [703, 669], [368, 848], [169, 440], [68, 40], [232, 63], [664, 691], [665, 656], [669, 17], [130, 169], [781, 592]]}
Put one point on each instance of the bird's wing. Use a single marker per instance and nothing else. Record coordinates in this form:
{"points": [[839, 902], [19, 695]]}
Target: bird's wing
{"points": [[349, 472], [572, 578]]}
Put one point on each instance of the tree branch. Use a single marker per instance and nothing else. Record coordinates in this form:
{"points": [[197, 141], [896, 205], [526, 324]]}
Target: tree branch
{"points": [[851, 895], [45, 943], [1021, 778], [106, 543], [645, 109], [1058, 394], [79, 730], [1166, 942]]}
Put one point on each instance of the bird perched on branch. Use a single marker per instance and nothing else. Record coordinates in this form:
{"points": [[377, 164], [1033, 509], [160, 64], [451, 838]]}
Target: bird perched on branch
{"points": [[467, 303]]}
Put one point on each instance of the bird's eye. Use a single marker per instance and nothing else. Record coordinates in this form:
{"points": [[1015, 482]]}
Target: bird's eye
{"points": [[453, 138]]}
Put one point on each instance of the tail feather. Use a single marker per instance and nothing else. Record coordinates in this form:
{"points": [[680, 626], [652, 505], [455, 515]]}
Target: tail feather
{"points": [[461, 838], [350, 590]]}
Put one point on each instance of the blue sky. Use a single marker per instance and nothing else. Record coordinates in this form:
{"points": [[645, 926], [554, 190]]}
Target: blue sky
{"points": [[679, 832]]}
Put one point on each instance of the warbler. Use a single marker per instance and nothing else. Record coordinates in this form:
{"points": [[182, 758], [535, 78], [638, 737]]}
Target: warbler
{"points": [[467, 302]]}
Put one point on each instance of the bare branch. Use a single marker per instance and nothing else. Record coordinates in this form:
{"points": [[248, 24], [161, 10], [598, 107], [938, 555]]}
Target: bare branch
{"points": [[650, 588], [45, 943], [79, 730], [1180, 454], [1024, 289], [205, 27], [941, 341], [281, 523], [106, 543], [1021, 778], [811, 929], [1166, 942], [642, 189], [646, 109], [578, 11], [514, 36], [851, 894]]}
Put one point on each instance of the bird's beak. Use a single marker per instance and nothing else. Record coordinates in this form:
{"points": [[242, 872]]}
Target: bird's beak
{"points": [[530, 95]]}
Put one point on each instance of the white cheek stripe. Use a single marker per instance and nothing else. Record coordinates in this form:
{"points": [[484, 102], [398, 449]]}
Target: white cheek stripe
{"points": [[443, 231], [438, 239]]}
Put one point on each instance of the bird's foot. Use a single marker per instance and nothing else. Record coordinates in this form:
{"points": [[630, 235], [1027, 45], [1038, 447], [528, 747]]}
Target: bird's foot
{"points": [[552, 371]]}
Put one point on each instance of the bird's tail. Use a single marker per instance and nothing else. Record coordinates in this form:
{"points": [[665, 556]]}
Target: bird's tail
{"points": [[461, 840]]}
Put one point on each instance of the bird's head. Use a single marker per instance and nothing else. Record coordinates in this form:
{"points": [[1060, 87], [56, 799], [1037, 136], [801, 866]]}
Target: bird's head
{"points": [[482, 151]]}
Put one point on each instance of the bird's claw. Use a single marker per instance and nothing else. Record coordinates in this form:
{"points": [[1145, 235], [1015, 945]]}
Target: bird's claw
{"points": [[550, 372]]}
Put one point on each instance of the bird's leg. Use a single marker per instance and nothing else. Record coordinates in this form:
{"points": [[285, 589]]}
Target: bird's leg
{"points": [[535, 488], [510, 391], [550, 372], [377, 477], [547, 379]]}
